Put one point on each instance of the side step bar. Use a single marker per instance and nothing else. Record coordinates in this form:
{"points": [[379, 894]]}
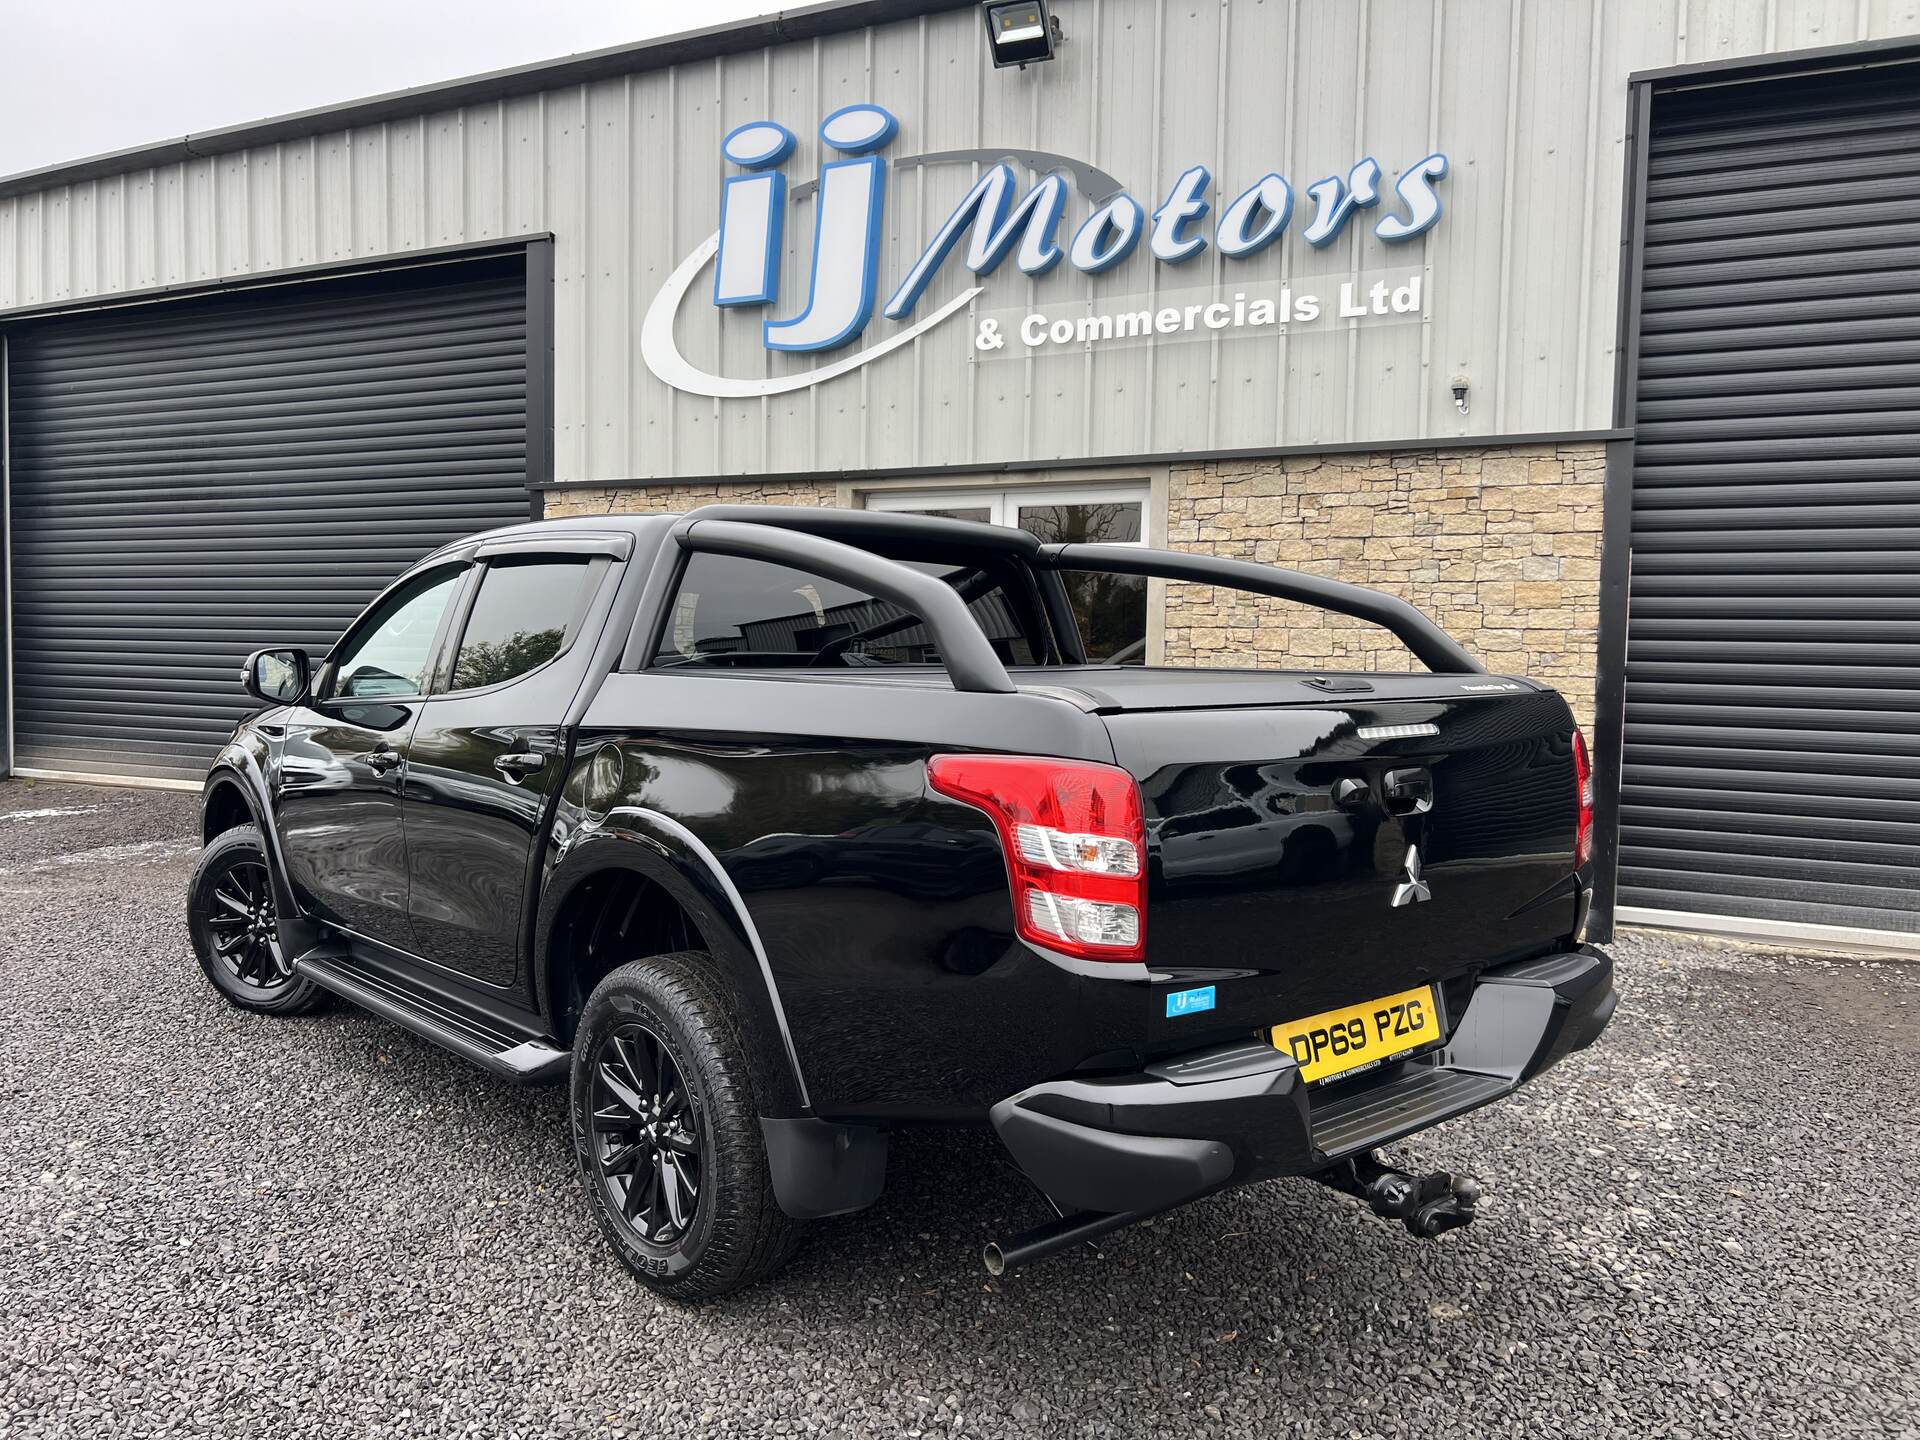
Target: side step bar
{"points": [[511, 1057]]}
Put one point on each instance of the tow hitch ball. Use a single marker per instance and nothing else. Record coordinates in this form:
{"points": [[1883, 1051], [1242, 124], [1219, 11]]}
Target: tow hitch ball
{"points": [[1427, 1205]]}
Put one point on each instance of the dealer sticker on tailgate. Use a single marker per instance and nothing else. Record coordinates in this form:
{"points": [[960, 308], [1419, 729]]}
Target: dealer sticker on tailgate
{"points": [[1358, 1037]]}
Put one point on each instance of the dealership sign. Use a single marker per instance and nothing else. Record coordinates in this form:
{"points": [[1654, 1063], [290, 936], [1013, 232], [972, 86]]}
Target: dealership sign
{"points": [[994, 222]]}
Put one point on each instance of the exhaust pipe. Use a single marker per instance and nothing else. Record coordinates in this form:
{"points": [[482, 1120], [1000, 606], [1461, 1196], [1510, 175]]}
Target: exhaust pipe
{"points": [[1055, 1236]]}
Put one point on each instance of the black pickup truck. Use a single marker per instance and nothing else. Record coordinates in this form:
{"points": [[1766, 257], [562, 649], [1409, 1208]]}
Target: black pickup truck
{"points": [[774, 830]]}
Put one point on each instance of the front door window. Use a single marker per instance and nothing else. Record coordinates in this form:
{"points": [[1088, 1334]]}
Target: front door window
{"points": [[387, 657]]}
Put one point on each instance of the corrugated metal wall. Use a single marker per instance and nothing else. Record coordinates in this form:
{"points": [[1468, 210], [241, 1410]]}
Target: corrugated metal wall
{"points": [[1526, 96], [196, 480], [1772, 763]]}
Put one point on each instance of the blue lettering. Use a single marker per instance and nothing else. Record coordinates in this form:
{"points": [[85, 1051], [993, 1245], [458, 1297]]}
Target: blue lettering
{"points": [[997, 220], [994, 220], [1183, 204], [1334, 202], [746, 270], [1415, 189], [846, 235], [1256, 217], [1108, 235]]}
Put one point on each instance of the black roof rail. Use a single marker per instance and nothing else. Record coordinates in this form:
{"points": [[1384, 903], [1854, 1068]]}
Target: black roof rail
{"points": [[1431, 645]]}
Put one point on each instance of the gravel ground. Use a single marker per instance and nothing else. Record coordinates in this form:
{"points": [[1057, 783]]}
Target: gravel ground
{"points": [[215, 1223]]}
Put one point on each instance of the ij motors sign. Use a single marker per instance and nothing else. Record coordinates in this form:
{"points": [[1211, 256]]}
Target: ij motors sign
{"points": [[995, 222]]}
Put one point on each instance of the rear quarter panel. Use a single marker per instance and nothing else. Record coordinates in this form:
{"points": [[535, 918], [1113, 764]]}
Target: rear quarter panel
{"points": [[883, 909]]}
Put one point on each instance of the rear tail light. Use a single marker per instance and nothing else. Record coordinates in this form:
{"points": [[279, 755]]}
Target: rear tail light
{"points": [[1075, 842], [1583, 780]]}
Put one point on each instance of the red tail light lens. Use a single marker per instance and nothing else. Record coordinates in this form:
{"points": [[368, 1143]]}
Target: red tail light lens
{"points": [[1075, 843], [1583, 779]]}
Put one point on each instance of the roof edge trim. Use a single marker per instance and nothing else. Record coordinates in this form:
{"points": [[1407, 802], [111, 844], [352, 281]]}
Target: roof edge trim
{"points": [[759, 32]]}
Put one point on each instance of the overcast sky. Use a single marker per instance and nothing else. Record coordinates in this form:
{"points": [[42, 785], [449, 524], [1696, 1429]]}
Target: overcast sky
{"points": [[83, 76]]}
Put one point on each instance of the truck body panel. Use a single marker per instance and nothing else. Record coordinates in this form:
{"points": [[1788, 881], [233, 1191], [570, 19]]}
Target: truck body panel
{"points": [[737, 728]]}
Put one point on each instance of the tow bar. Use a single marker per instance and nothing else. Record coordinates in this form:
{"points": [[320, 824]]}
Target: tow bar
{"points": [[1428, 1205]]}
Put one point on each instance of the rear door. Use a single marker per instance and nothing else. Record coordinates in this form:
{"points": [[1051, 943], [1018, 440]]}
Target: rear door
{"points": [[488, 750]]}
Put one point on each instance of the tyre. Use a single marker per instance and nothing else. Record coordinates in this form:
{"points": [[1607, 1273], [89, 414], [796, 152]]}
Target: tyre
{"points": [[230, 914], [667, 1131]]}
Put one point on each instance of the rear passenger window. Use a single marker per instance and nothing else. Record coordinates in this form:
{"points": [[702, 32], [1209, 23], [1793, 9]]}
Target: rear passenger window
{"points": [[737, 612], [523, 616]]}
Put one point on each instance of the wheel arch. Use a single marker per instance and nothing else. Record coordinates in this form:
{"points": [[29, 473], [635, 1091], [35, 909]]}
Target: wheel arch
{"points": [[238, 777], [644, 851], [224, 805]]}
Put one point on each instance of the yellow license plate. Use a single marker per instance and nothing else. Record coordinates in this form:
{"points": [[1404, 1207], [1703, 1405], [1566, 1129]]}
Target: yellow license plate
{"points": [[1358, 1037]]}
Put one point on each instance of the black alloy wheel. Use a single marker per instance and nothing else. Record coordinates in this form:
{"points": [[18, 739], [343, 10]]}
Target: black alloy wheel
{"points": [[647, 1151], [241, 919], [232, 919], [665, 1113]]}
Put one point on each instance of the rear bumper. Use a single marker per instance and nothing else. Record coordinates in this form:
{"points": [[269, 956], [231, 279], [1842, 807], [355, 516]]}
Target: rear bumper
{"points": [[1239, 1113]]}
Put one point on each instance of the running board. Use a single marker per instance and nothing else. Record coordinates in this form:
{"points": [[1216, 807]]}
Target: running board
{"points": [[511, 1057]]}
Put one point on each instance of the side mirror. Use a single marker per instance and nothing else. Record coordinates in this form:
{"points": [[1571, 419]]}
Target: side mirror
{"points": [[278, 677]]}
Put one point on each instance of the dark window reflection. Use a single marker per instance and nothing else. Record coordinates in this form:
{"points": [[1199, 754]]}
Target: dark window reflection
{"points": [[519, 620], [734, 611], [1111, 609]]}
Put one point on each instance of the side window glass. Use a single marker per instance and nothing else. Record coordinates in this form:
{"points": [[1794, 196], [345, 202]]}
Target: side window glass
{"points": [[521, 619], [732, 611], [735, 611], [388, 656]]}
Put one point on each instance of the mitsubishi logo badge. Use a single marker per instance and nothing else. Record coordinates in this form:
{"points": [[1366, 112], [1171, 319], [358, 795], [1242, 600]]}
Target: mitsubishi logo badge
{"points": [[1412, 889]]}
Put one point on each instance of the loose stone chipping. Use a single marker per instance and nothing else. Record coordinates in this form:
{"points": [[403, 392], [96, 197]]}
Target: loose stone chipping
{"points": [[225, 1225]]}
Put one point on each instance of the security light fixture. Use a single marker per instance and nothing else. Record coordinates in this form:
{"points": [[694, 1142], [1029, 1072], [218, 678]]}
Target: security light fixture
{"points": [[1460, 393], [1020, 32]]}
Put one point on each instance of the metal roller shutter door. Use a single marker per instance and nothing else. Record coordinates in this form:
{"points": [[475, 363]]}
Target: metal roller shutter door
{"points": [[193, 480], [1771, 770]]}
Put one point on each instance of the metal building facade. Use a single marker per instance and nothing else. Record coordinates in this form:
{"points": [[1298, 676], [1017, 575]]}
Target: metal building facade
{"points": [[1529, 297], [1521, 272]]}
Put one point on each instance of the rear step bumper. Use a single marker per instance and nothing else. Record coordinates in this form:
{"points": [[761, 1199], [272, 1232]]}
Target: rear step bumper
{"points": [[1239, 1113]]}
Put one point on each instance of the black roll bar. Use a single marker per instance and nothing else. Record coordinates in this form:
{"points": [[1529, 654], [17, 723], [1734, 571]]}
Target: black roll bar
{"points": [[1431, 645], [897, 526], [964, 647]]}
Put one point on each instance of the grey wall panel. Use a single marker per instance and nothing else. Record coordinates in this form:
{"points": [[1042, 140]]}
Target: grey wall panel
{"points": [[1527, 97], [1771, 763], [193, 480]]}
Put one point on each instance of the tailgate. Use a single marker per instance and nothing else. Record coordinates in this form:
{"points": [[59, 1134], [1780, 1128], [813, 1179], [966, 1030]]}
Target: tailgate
{"points": [[1279, 838]]}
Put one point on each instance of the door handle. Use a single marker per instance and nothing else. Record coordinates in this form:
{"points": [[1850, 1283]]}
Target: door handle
{"points": [[516, 765], [382, 758]]}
